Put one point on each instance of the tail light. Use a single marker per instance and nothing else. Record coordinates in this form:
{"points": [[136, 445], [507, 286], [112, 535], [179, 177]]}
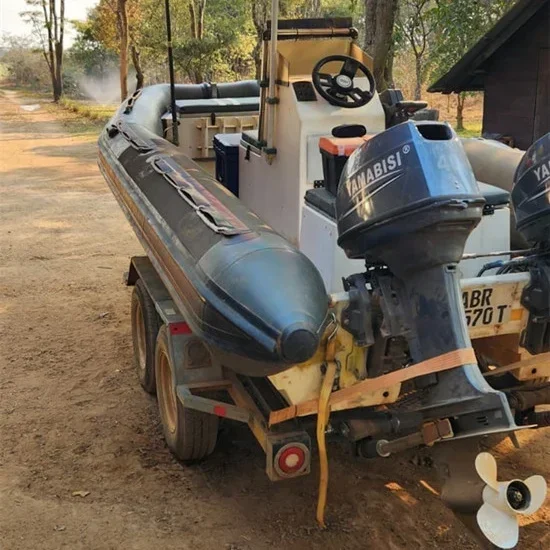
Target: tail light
{"points": [[292, 460]]}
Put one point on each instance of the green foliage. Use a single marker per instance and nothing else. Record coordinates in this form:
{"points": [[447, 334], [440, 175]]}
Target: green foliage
{"points": [[89, 53], [25, 65], [470, 130], [225, 51], [459, 25]]}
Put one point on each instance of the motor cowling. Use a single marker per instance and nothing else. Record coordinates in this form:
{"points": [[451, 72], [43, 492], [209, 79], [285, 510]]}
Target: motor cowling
{"points": [[403, 187], [530, 196], [531, 201]]}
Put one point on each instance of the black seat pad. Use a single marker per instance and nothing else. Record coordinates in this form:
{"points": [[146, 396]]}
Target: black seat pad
{"points": [[218, 105], [494, 195], [323, 201]]}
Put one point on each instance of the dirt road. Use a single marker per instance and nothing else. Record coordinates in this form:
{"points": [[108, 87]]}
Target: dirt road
{"points": [[74, 419]]}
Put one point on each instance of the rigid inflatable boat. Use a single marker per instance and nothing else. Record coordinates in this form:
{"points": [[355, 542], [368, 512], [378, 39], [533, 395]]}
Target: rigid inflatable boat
{"points": [[346, 261], [243, 289]]}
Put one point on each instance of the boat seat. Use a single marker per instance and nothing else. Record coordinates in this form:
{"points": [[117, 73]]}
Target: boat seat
{"points": [[218, 105], [323, 200], [494, 195], [243, 88]]}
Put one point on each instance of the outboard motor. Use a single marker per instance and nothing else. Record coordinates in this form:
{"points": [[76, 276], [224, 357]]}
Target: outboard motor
{"points": [[530, 196], [407, 202], [531, 200]]}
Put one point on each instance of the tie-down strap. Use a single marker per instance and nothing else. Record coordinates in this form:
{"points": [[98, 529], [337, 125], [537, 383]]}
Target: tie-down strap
{"points": [[348, 398]]}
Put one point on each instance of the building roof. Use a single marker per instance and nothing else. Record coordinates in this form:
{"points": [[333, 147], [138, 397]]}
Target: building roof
{"points": [[468, 74]]}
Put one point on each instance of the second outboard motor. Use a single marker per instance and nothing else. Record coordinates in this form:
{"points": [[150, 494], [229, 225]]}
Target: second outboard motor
{"points": [[408, 201], [531, 193], [531, 200]]}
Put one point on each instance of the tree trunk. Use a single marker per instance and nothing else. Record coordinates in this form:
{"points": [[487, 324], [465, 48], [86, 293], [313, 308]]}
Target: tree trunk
{"points": [[122, 23], [418, 71], [136, 61], [460, 100], [50, 55], [258, 60], [379, 23], [196, 10], [58, 84], [259, 18], [59, 29], [202, 8], [388, 69]]}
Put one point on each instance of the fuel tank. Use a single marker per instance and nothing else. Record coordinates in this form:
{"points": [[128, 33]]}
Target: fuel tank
{"points": [[251, 296]]}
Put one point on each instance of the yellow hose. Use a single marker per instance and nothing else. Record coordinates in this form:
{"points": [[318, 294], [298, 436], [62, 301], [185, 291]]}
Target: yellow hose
{"points": [[322, 422]]}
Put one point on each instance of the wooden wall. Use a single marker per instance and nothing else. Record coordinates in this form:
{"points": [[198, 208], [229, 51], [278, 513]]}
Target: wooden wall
{"points": [[516, 86]]}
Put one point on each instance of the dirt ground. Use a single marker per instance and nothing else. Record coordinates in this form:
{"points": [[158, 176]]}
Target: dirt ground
{"points": [[74, 419]]}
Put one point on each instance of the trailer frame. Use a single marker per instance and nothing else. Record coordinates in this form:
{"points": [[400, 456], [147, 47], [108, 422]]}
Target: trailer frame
{"points": [[251, 398]]}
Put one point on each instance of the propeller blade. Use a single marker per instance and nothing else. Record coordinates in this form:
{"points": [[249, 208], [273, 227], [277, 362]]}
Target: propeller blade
{"points": [[500, 528], [538, 488], [486, 467]]}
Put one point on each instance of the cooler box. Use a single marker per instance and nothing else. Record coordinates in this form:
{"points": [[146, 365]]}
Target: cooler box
{"points": [[226, 148], [335, 152]]}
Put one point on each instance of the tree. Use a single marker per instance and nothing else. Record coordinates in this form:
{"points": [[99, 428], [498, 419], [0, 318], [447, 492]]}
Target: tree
{"points": [[459, 25], [379, 24], [119, 25], [123, 34], [415, 25], [88, 52], [48, 20]]}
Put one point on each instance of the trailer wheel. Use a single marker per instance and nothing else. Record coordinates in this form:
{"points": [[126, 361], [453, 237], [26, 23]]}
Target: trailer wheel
{"points": [[190, 435], [145, 326]]}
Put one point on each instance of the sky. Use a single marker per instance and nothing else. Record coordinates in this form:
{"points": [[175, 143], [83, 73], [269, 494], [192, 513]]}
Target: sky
{"points": [[10, 21]]}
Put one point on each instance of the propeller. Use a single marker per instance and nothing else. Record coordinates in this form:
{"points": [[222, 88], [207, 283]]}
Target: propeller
{"points": [[505, 501]]}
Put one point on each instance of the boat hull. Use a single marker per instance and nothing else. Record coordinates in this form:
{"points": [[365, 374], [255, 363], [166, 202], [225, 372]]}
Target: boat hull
{"points": [[252, 297]]}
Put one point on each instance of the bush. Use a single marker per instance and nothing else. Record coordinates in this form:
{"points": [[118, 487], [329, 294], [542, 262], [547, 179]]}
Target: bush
{"points": [[25, 66]]}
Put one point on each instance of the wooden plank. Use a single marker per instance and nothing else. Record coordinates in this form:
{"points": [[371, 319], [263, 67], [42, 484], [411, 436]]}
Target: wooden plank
{"points": [[256, 422], [349, 398], [537, 361]]}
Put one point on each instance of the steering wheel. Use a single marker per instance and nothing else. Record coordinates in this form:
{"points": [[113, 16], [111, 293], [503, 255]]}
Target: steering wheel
{"points": [[340, 90]]}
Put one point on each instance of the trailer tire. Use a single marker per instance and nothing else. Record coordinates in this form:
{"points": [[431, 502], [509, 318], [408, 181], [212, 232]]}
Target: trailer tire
{"points": [[190, 435], [145, 327]]}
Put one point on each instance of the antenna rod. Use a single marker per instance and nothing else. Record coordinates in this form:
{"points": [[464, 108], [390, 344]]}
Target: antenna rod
{"points": [[175, 131]]}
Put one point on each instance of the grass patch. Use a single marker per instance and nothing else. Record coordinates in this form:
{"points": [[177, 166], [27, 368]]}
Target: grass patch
{"points": [[471, 129], [78, 117], [91, 111]]}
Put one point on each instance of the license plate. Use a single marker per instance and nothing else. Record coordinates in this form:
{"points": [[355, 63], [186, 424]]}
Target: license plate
{"points": [[486, 306], [494, 306]]}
